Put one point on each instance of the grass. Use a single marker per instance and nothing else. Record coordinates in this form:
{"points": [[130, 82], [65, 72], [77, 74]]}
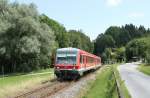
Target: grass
{"points": [[43, 70], [103, 86], [27, 73], [12, 84], [144, 68]]}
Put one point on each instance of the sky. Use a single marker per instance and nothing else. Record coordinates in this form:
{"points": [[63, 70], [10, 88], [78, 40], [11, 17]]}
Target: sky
{"points": [[94, 16]]}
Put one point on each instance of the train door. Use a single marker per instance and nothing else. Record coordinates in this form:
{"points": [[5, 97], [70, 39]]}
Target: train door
{"points": [[81, 61], [85, 62]]}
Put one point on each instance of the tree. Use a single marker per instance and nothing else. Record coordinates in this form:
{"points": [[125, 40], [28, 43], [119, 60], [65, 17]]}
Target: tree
{"points": [[102, 42], [137, 48], [117, 37], [79, 40], [59, 31], [148, 51], [120, 54], [148, 55], [25, 43], [142, 30], [120, 35], [134, 31]]}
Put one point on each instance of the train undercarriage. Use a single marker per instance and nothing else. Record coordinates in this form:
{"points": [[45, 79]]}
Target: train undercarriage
{"points": [[67, 74]]}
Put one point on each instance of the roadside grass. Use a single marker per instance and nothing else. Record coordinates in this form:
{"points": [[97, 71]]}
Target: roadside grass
{"points": [[144, 68], [123, 88], [11, 85], [103, 86], [27, 73]]}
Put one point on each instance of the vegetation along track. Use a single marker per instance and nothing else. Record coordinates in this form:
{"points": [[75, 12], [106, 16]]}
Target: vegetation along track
{"points": [[50, 88], [46, 90]]}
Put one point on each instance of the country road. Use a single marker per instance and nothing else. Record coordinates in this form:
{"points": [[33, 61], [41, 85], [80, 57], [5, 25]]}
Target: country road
{"points": [[138, 84]]}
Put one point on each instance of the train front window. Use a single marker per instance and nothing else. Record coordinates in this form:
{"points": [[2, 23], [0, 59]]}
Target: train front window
{"points": [[66, 60]]}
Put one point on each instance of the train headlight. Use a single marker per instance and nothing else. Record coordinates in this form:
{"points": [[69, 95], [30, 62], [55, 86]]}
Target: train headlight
{"points": [[74, 64], [57, 67]]}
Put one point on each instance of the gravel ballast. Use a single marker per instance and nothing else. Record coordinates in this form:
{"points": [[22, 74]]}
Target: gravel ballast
{"points": [[76, 89]]}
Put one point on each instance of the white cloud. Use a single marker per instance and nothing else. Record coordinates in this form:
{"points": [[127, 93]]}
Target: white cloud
{"points": [[113, 3], [136, 15]]}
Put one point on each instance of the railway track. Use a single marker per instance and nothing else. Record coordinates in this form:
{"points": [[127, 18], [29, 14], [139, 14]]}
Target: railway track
{"points": [[51, 88], [46, 90]]}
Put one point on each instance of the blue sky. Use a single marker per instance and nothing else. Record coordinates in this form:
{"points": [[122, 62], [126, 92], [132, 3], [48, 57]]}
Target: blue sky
{"points": [[94, 16]]}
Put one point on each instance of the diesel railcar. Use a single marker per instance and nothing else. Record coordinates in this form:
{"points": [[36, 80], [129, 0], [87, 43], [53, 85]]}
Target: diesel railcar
{"points": [[73, 62]]}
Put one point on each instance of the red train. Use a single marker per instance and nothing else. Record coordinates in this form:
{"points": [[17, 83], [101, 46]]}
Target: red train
{"points": [[73, 62]]}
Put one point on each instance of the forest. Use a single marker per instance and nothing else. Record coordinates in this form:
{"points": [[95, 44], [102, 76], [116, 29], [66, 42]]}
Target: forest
{"points": [[28, 40], [125, 43]]}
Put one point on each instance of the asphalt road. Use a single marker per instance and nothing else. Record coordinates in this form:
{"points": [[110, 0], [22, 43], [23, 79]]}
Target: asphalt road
{"points": [[137, 83]]}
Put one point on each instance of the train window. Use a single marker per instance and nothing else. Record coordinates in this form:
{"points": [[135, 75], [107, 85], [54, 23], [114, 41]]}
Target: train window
{"points": [[90, 60], [66, 60], [81, 59], [87, 59]]}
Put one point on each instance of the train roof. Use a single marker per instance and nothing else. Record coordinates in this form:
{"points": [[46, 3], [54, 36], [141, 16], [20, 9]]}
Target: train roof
{"points": [[76, 50], [68, 49]]}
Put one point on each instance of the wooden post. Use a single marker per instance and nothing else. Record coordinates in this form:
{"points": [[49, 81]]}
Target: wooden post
{"points": [[3, 71], [120, 93]]}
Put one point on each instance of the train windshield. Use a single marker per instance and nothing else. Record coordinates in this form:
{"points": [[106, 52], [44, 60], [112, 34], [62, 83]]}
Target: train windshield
{"points": [[66, 58]]}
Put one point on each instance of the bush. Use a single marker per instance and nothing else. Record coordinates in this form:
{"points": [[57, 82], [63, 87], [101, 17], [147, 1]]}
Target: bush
{"points": [[137, 48], [148, 55]]}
